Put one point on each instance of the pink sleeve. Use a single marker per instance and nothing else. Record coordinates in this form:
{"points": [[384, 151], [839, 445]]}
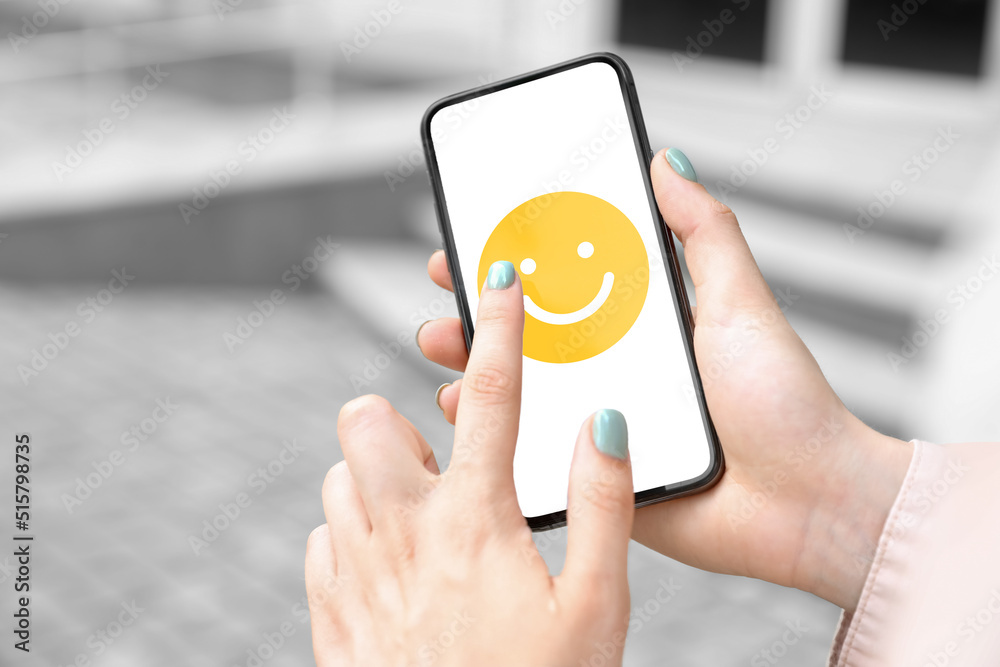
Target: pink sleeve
{"points": [[932, 597]]}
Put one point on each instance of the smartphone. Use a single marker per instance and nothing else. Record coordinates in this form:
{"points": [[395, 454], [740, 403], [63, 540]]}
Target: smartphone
{"points": [[550, 171]]}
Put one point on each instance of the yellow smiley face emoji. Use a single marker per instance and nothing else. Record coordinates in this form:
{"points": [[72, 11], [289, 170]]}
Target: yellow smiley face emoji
{"points": [[584, 270]]}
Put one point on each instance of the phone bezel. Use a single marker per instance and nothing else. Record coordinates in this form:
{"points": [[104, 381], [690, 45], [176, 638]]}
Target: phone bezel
{"points": [[669, 255]]}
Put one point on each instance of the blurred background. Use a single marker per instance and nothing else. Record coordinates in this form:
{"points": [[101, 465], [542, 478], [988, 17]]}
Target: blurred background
{"points": [[214, 225]]}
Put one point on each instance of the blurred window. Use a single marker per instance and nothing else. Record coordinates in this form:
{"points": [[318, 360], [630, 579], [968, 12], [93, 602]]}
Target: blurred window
{"points": [[931, 35], [723, 28]]}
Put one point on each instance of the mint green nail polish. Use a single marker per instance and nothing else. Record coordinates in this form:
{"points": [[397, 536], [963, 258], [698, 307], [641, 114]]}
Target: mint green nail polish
{"points": [[681, 164], [501, 275], [611, 433]]}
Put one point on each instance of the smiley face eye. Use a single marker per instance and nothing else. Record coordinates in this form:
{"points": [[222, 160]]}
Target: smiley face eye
{"points": [[528, 266], [585, 249]]}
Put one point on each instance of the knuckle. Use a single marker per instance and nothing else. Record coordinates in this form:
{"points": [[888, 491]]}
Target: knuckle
{"points": [[608, 495], [604, 601], [335, 478], [490, 383], [362, 410], [492, 314], [318, 539], [722, 212], [592, 605]]}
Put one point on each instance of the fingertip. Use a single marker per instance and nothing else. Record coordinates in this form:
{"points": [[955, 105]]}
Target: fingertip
{"points": [[437, 394], [437, 269], [416, 336], [601, 499], [675, 183], [609, 431], [447, 399], [318, 538], [443, 342], [680, 163], [601, 472], [320, 560], [359, 411], [435, 262], [500, 276], [501, 304]]}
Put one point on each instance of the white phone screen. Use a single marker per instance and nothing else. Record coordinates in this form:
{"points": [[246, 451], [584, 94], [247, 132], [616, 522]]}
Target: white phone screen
{"points": [[546, 175]]}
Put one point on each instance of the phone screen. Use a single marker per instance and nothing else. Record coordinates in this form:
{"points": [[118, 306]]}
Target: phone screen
{"points": [[546, 174]]}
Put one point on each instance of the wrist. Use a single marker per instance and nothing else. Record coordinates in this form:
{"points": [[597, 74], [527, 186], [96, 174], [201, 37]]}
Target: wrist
{"points": [[863, 477]]}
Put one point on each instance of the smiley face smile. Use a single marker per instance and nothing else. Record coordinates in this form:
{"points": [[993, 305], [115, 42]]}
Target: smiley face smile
{"points": [[584, 270], [543, 315]]}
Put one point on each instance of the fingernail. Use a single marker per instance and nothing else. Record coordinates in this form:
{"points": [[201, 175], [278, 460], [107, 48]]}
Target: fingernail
{"points": [[416, 336], [437, 396], [681, 164], [501, 275], [610, 433]]}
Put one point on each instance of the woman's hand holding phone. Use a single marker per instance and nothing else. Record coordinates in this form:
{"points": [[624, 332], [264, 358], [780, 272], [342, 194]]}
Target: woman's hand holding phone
{"points": [[440, 567], [807, 486]]}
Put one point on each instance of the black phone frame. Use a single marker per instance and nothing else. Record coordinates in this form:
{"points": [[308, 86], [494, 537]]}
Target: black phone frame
{"points": [[667, 249]]}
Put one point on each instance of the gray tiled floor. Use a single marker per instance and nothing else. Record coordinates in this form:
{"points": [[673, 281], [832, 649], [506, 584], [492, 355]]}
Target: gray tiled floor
{"points": [[129, 540]]}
